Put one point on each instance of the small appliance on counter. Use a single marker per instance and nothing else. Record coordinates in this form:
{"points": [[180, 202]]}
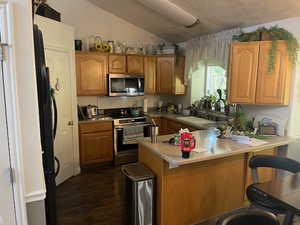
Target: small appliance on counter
{"points": [[270, 125], [87, 112]]}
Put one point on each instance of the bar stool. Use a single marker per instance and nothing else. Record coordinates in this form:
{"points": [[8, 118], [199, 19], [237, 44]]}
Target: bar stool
{"points": [[276, 162], [248, 217]]}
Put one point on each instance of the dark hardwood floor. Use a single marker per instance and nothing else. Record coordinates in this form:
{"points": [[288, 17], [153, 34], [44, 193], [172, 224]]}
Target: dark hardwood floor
{"points": [[92, 198]]}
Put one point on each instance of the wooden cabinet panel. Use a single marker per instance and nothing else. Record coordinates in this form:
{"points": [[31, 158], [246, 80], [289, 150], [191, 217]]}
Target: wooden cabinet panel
{"points": [[96, 143], [91, 71], [165, 74], [95, 127], [117, 64], [179, 76], [150, 74], [96, 147], [135, 64], [274, 87], [202, 190], [244, 65], [168, 126]]}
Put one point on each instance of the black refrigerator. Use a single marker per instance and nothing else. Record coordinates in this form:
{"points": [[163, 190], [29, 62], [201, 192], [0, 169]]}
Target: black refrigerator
{"points": [[48, 124]]}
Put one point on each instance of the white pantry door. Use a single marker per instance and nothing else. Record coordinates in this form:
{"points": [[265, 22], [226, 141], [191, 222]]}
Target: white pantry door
{"points": [[60, 75], [7, 208]]}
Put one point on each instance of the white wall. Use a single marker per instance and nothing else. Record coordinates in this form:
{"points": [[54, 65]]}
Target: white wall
{"points": [[27, 96], [27, 102], [88, 19]]}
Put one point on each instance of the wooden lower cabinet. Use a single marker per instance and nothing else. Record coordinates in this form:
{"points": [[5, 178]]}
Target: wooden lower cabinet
{"points": [[168, 126], [96, 145]]}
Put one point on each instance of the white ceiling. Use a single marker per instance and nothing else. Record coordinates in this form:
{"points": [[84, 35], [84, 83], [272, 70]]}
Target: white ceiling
{"points": [[214, 15]]}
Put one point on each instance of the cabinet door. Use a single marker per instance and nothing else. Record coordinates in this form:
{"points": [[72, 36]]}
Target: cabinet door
{"points": [[150, 74], [273, 87], [117, 64], [165, 73], [243, 76], [91, 71], [135, 64], [96, 147], [179, 88]]}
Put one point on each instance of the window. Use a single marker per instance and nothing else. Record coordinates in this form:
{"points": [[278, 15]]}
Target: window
{"points": [[215, 79]]}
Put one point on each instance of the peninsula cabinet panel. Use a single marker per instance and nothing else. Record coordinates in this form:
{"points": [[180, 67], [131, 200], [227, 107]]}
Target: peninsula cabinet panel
{"points": [[273, 87], [244, 65], [150, 74], [165, 72], [117, 64], [91, 70], [190, 193], [135, 64]]}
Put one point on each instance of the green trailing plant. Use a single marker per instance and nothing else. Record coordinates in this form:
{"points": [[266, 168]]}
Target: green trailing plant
{"points": [[274, 34]]}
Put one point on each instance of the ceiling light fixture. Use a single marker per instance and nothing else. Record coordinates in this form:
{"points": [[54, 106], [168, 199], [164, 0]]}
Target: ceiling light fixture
{"points": [[172, 11]]}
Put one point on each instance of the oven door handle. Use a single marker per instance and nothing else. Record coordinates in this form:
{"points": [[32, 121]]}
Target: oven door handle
{"points": [[137, 125]]}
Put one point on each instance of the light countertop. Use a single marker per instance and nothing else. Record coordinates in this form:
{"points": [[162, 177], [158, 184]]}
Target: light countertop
{"points": [[215, 148], [96, 120], [188, 120]]}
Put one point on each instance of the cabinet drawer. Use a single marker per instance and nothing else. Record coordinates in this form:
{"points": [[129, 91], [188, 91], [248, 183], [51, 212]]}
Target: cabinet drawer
{"points": [[95, 127]]}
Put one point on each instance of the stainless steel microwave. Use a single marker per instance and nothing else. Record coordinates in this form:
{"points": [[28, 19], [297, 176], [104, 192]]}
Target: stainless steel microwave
{"points": [[125, 85]]}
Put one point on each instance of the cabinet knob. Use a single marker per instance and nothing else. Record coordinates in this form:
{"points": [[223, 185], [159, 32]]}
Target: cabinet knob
{"points": [[70, 123]]}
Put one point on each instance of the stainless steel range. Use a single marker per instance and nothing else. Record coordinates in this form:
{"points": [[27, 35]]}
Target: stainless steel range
{"points": [[127, 130]]}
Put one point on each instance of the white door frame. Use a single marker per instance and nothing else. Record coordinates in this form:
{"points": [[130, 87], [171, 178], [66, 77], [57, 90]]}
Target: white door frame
{"points": [[11, 100], [53, 45], [76, 160]]}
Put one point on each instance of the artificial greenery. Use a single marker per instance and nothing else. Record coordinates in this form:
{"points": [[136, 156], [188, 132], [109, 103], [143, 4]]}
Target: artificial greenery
{"points": [[274, 33]]}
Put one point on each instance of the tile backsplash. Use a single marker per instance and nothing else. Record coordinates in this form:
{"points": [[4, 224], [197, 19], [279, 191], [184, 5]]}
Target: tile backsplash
{"points": [[105, 102]]}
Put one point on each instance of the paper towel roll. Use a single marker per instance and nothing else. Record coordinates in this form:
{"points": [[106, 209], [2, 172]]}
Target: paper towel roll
{"points": [[145, 105]]}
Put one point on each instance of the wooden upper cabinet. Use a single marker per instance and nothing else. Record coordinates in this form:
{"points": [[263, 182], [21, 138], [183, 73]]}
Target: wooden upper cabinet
{"points": [[91, 71], [150, 74], [243, 77], [179, 87], [135, 64], [165, 74], [117, 64], [250, 79], [273, 87], [170, 75]]}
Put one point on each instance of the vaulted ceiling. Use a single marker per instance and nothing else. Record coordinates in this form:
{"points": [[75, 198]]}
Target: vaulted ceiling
{"points": [[214, 15]]}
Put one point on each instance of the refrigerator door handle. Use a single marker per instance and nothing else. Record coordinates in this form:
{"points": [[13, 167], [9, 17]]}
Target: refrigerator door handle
{"points": [[58, 166], [55, 113]]}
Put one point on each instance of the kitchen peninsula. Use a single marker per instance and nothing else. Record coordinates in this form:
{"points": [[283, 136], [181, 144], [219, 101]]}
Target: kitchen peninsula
{"points": [[208, 183]]}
